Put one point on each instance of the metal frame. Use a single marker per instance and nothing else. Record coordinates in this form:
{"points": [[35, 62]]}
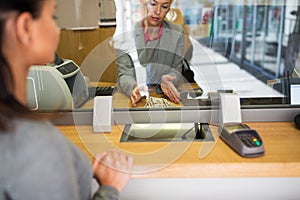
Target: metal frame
{"points": [[172, 116]]}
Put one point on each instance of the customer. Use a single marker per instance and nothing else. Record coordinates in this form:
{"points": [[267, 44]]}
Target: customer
{"points": [[36, 160], [160, 48]]}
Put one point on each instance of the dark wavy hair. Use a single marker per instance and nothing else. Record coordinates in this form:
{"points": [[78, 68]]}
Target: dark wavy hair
{"points": [[10, 107]]}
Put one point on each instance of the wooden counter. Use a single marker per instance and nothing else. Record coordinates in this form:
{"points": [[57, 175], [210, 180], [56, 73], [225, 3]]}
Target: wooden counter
{"points": [[181, 159]]}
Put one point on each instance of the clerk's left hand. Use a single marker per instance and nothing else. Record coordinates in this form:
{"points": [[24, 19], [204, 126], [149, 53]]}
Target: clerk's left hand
{"points": [[169, 88]]}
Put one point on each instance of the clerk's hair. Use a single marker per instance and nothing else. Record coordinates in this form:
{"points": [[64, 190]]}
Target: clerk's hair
{"points": [[10, 107]]}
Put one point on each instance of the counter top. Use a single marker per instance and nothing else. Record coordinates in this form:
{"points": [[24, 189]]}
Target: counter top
{"points": [[121, 100], [199, 159]]}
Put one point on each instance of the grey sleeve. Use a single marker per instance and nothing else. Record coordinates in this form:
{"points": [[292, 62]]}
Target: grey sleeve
{"points": [[179, 52], [106, 193], [126, 72]]}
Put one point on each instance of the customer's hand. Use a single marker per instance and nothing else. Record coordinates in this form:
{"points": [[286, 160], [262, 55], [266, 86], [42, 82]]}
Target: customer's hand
{"points": [[113, 168], [168, 88], [135, 96]]}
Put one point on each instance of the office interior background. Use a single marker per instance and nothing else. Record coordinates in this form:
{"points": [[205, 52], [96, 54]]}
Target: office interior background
{"points": [[254, 34]]}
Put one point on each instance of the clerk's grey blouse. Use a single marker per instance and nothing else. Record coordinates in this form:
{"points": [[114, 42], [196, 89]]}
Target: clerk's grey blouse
{"points": [[163, 56]]}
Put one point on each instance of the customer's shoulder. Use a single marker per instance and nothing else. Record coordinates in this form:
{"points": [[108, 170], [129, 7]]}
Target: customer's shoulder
{"points": [[43, 131], [43, 137], [32, 126]]}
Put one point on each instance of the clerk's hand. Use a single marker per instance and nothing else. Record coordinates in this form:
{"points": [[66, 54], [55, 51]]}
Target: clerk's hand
{"points": [[169, 89], [135, 96]]}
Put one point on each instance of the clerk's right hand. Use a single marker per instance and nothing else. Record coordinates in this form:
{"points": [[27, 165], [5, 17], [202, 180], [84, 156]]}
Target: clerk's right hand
{"points": [[135, 96], [169, 89]]}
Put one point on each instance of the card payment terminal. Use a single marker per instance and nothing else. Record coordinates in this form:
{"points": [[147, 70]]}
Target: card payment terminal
{"points": [[245, 141]]}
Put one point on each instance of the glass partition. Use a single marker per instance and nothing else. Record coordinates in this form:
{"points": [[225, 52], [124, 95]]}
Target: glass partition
{"points": [[249, 49]]}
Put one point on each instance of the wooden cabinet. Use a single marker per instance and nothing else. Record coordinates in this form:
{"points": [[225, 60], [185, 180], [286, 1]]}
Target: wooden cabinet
{"points": [[77, 45]]}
